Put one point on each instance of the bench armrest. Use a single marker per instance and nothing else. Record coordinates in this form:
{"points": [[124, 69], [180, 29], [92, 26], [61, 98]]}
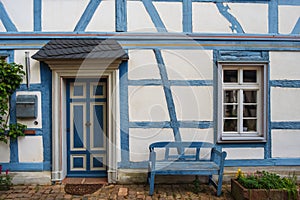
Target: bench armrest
{"points": [[218, 156]]}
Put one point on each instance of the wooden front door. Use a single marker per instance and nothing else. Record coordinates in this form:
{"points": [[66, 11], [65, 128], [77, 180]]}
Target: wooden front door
{"points": [[86, 128]]}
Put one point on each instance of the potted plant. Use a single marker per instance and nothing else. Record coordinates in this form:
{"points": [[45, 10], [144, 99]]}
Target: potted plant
{"points": [[5, 180], [263, 185]]}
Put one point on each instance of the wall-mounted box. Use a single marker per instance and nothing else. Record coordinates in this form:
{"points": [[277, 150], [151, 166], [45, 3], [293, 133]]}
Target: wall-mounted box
{"points": [[26, 106]]}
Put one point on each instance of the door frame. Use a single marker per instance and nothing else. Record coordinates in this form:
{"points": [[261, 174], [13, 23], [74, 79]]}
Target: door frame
{"points": [[61, 71]]}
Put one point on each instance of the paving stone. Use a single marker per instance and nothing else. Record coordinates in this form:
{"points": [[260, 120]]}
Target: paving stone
{"points": [[68, 196], [148, 198], [140, 196], [116, 192], [123, 192]]}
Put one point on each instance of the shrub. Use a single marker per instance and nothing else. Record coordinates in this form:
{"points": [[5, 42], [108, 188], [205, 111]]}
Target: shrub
{"points": [[11, 77]]}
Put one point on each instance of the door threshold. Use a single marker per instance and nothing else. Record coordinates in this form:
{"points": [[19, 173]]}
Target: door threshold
{"points": [[82, 180]]}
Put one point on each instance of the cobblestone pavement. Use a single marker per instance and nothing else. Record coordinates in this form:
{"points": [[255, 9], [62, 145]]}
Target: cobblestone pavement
{"points": [[118, 192]]}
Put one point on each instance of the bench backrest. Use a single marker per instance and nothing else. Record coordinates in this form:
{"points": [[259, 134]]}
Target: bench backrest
{"points": [[181, 147]]}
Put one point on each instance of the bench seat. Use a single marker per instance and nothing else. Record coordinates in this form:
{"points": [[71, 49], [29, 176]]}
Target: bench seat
{"points": [[187, 168]]}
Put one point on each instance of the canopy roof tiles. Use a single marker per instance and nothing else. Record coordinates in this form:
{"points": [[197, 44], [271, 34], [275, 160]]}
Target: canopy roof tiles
{"points": [[80, 49]]}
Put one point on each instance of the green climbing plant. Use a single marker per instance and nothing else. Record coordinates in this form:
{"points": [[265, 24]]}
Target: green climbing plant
{"points": [[11, 77]]}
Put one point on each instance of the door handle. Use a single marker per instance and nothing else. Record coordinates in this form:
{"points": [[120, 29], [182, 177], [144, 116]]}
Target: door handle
{"points": [[88, 124]]}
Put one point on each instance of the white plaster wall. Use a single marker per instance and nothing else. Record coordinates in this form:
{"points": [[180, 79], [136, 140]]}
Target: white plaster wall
{"points": [[103, 18], [30, 122], [188, 64], [138, 20], [4, 152], [284, 65], [244, 153], [207, 19], [252, 17], [140, 139], [21, 13], [193, 102], [285, 143], [288, 17], [285, 104], [60, 15], [142, 65], [30, 149], [171, 15], [197, 135], [35, 76], [147, 103], [2, 28]]}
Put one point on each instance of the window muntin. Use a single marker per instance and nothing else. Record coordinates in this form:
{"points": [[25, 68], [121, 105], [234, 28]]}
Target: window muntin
{"points": [[241, 102]]}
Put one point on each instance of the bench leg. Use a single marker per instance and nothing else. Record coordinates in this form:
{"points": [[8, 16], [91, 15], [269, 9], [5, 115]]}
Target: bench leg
{"points": [[151, 183], [210, 180], [219, 187]]}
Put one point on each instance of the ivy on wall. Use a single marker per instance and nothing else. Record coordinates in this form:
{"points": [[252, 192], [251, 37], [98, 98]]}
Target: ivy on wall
{"points": [[11, 77]]}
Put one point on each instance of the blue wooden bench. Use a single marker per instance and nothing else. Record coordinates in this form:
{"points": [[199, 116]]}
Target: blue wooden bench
{"points": [[186, 161]]}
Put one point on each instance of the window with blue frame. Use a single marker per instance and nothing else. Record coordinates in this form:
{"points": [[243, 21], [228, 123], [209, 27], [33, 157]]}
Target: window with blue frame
{"points": [[242, 103]]}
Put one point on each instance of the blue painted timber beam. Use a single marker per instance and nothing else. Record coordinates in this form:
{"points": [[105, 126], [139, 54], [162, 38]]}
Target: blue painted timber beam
{"points": [[273, 16], [285, 83], [168, 93], [121, 15], [235, 25], [167, 124], [187, 16], [124, 112], [160, 27], [295, 125], [37, 13], [289, 2], [7, 22], [296, 29], [87, 15]]}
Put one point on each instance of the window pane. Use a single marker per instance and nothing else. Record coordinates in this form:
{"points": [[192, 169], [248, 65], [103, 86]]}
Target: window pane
{"points": [[230, 110], [249, 76], [230, 76], [250, 111], [230, 125], [250, 96], [249, 125], [230, 96]]}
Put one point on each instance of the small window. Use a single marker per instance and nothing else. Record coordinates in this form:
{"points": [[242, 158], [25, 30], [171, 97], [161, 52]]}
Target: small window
{"points": [[242, 103]]}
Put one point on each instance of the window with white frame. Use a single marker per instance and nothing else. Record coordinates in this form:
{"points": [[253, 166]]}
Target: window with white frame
{"points": [[242, 97]]}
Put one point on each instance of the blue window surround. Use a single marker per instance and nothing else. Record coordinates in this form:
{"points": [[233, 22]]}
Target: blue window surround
{"points": [[242, 57]]}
